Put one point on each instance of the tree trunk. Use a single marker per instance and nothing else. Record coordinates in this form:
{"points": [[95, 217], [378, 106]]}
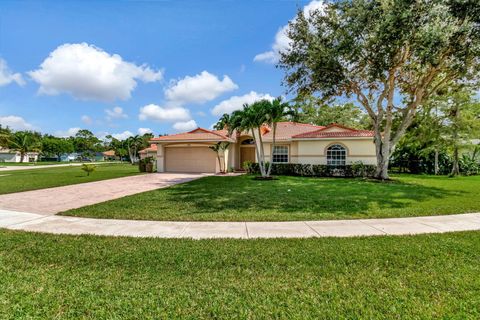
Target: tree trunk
{"points": [[22, 156], [456, 167], [261, 152], [382, 168], [273, 148], [382, 150], [456, 115], [436, 169], [257, 151], [219, 162], [130, 155]]}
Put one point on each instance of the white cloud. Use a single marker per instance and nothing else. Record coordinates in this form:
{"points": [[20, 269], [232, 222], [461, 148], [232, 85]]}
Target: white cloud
{"points": [[86, 119], [7, 76], [89, 73], [200, 88], [115, 113], [185, 126], [282, 42], [123, 135], [142, 131], [15, 123], [157, 113], [236, 102], [68, 133]]}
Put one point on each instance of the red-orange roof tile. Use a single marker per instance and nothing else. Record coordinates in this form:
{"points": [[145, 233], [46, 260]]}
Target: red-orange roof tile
{"points": [[109, 153], [286, 130], [199, 134], [323, 133], [153, 148]]}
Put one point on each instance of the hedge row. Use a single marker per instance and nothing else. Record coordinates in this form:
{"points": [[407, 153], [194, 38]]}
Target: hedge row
{"points": [[315, 170]]}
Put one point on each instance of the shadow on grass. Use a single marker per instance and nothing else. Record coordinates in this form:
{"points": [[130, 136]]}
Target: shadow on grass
{"points": [[300, 195]]}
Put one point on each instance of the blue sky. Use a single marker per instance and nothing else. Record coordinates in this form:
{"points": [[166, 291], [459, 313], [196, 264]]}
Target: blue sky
{"points": [[119, 66]]}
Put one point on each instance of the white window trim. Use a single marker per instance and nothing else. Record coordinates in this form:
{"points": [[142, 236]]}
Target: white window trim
{"points": [[336, 159], [288, 152]]}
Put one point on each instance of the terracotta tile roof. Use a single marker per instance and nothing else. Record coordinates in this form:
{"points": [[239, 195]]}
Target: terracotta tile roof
{"points": [[109, 153], [198, 134], [325, 133], [153, 148], [286, 130]]}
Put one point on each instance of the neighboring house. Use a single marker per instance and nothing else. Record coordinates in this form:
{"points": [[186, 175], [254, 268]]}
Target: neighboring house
{"points": [[7, 155], [149, 152], [295, 143], [69, 156], [109, 155]]}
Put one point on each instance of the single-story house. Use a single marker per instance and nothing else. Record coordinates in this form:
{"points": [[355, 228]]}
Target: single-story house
{"points": [[69, 156], [295, 143], [7, 155], [109, 155], [149, 152]]}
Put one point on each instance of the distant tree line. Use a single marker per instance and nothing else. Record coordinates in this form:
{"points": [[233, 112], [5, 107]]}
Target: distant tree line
{"points": [[84, 143]]}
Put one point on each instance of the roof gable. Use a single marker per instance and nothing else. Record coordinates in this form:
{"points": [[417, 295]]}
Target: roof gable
{"points": [[333, 127], [199, 134], [334, 130], [286, 130]]}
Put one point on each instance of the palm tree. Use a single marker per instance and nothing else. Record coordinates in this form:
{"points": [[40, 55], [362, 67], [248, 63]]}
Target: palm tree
{"points": [[276, 110], [133, 144], [251, 119], [223, 122], [219, 148], [23, 142], [256, 117]]}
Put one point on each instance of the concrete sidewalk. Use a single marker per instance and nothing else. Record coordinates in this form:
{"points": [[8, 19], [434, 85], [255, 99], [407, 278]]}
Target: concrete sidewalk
{"points": [[53, 200], [241, 230]]}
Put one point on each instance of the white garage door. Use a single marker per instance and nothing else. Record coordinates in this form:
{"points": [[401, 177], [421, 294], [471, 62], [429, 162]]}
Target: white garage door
{"points": [[189, 159]]}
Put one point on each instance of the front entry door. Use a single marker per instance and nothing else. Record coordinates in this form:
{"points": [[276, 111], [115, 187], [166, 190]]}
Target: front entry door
{"points": [[247, 154]]}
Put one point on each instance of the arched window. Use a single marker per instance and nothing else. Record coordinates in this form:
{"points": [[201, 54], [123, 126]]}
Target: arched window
{"points": [[248, 141], [336, 155]]}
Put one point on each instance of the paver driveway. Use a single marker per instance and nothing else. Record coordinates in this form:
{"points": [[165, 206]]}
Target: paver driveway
{"points": [[53, 200]]}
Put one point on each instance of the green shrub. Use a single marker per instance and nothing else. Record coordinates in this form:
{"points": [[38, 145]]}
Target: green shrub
{"points": [[315, 170], [146, 165], [88, 168], [469, 165]]}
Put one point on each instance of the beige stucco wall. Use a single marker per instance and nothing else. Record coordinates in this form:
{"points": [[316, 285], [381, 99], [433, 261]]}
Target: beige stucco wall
{"points": [[144, 155], [314, 151], [305, 151], [229, 154]]}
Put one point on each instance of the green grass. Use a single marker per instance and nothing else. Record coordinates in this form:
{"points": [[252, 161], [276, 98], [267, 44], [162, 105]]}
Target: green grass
{"points": [[34, 164], [86, 277], [294, 198], [24, 180]]}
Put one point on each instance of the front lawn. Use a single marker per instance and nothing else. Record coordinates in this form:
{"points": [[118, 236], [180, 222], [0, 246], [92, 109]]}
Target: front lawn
{"points": [[24, 180], [34, 164], [295, 198], [87, 277]]}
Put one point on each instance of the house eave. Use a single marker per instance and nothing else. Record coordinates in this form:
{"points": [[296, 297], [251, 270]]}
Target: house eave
{"points": [[332, 138], [188, 141]]}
